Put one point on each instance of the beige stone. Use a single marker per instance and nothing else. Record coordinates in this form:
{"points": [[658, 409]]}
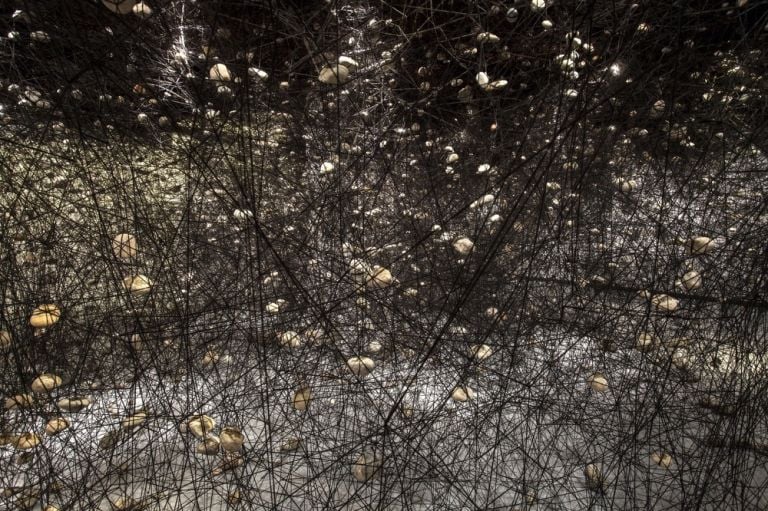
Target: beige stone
{"points": [[74, 404], [232, 439], [119, 6], [56, 426], [301, 398], [593, 476], [27, 441], [138, 285], [334, 75], [598, 382], [361, 366], [219, 72], [45, 315], [366, 467], [209, 446], [662, 459], [201, 425], [125, 246], [45, 383], [19, 401]]}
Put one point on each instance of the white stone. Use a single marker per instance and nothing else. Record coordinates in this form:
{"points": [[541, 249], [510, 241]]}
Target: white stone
{"points": [[361, 366], [334, 75], [487, 37], [485, 199], [691, 280], [219, 72], [463, 246], [255, 72], [290, 339], [348, 62]]}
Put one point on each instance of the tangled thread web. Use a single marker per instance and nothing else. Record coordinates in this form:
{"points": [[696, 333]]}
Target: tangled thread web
{"points": [[361, 254]]}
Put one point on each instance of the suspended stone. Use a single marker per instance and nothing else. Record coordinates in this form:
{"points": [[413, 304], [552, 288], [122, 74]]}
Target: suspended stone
{"points": [[680, 359], [598, 382], [359, 268], [380, 278], [482, 78], [210, 358], [40, 37], [242, 214], [142, 10], [593, 476], [19, 401], [699, 245], [411, 292], [645, 342], [201, 425], [691, 280], [45, 383], [255, 72], [220, 73], [462, 394], [73, 404], [21, 16], [361, 366], [452, 158], [290, 444], [463, 246], [334, 75], [485, 199], [125, 246], [290, 339], [487, 37], [45, 315], [234, 497], [119, 6], [366, 467], [658, 108], [126, 503], [27, 441], [349, 63], [301, 399], [625, 185], [326, 168], [495, 85], [138, 285], [480, 351], [5, 339], [662, 459], [134, 420], [209, 446], [56, 426], [232, 439], [664, 303]]}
